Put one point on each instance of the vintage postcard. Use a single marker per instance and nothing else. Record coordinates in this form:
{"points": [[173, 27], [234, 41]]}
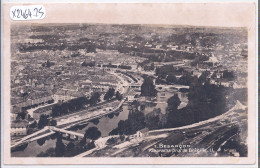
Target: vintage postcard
{"points": [[129, 83]]}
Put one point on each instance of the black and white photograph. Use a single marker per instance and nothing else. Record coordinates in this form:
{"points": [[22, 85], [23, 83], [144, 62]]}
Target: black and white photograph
{"points": [[119, 90]]}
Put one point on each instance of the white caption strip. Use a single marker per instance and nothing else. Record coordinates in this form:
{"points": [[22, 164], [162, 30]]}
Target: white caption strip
{"points": [[32, 12]]}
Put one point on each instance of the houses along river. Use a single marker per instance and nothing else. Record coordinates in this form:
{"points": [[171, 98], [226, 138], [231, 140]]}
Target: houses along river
{"points": [[105, 125]]}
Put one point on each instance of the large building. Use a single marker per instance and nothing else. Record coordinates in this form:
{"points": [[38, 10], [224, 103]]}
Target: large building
{"points": [[14, 112], [32, 99], [65, 95], [19, 127]]}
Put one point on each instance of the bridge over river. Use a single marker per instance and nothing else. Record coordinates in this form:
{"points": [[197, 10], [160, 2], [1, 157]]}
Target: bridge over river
{"points": [[49, 130], [67, 132]]}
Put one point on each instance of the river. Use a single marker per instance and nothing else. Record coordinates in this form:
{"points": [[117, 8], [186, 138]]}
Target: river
{"points": [[161, 101], [105, 125]]}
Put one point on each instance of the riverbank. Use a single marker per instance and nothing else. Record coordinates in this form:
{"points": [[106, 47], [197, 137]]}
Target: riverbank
{"points": [[210, 135]]}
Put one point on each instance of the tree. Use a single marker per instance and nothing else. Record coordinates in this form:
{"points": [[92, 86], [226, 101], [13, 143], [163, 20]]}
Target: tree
{"points": [[109, 94], [171, 79], [142, 107], [70, 146], [33, 125], [111, 115], [94, 98], [41, 141], [119, 96], [205, 101], [165, 70], [56, 110], [186, 79], [91, 145], [60, 147], [154, 119], [122, 137], [173, 102], [111, 141], [95, 121], [92, 133], [203, 76], [83, 141], [43, 121], [53, 122], [22, 115], [50, 101], [64, 108], [152, 66], [172, 112], [148, 88], [54, 136], [114, 131], [117, 114]]}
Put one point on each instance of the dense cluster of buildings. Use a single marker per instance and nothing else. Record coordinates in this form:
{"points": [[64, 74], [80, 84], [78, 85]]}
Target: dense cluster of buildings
{"points": [[35, 88], [43, 77]]}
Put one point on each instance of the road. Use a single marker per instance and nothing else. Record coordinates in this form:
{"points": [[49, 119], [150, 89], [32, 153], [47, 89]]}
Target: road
{"points": [[83, 113], [88, 115], [66, 131]]}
